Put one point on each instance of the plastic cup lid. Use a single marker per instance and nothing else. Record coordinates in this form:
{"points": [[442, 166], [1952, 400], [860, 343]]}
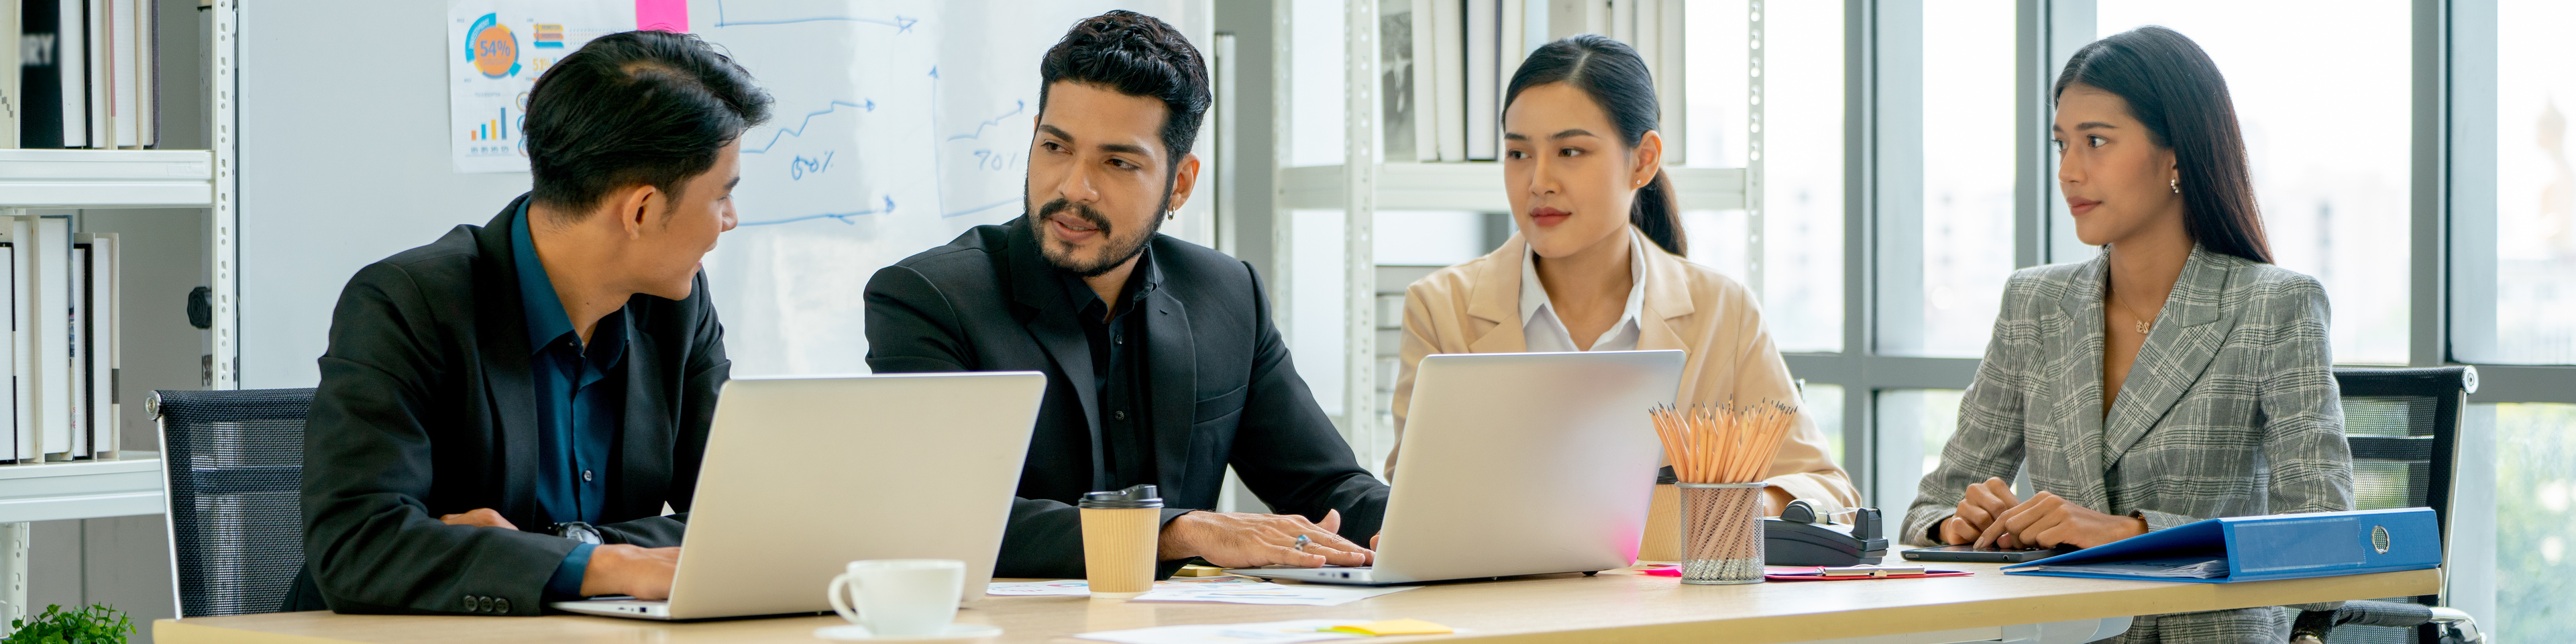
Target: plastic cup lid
{"points": [[1135, 496]]}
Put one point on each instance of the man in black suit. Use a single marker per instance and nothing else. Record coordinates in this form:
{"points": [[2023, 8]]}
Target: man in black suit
{"points": [[504, 412], [1162, 364]]}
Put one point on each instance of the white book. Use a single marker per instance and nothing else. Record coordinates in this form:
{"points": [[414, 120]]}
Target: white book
{"points": [[13, 443], [53, 289], [71, 57], [147, 31], [12, 99], [83, 422], [1515, 44], [102, 78], [124, 59], [1449, 76], [23, 427], [1426, 93], [1484, 88], [106, 347]]}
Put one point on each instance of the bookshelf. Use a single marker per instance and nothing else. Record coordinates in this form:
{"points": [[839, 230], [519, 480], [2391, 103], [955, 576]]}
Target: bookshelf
{"points": [[106, 178], [1478, 186], [131, 482], [1370, 179]]}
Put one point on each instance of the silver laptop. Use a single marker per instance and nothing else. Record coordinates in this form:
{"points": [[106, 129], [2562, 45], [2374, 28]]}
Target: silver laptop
{"points": [[1518, 464], [804, 475]]}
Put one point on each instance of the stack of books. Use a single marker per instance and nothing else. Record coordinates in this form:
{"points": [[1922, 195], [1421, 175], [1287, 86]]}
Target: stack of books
{"points": [[62, 346], [77, 74]]}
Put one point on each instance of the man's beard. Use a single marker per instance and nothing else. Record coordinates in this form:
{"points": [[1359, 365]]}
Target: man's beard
{"points": [[1117, 251]]}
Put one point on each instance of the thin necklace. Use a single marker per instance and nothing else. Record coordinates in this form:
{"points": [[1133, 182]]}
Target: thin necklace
{"points": [[2140, 322]]}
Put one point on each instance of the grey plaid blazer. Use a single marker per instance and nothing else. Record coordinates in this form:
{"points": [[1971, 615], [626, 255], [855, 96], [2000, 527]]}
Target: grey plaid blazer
{"points": [[2230, 410]]}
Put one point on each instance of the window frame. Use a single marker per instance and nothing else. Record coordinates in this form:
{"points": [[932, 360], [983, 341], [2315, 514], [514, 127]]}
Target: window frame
{"points": [[2452, 175]]}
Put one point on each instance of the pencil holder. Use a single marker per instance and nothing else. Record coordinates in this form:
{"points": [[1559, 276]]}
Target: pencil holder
{"points": [[1722, 533]]}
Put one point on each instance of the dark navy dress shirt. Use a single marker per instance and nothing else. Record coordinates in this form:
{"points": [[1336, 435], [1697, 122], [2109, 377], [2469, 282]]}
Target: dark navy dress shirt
{"points": [[580, 393]]}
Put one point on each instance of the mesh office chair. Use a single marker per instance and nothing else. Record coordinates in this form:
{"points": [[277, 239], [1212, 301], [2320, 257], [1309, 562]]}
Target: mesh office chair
{"points": [[236, 466], [2403, 426]]}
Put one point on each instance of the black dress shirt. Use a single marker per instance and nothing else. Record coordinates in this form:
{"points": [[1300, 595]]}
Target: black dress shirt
{"points": [[1118, 366]]}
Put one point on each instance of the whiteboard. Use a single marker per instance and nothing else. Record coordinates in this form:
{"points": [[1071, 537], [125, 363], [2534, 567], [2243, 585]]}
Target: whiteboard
{"points": [[897, 125]]}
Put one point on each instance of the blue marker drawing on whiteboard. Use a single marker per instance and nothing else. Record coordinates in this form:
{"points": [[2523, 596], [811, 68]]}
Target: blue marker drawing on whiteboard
{"points": [[803, 165], [901, 24], [869, 105], [843, 217], [1022, 106], [981, 208]]}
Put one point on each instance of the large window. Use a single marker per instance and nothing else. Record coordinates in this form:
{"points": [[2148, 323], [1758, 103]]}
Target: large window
{"points": [[2535, 546], [1940, 299], [2519, 274], [1802, 229], [2326, 113]]}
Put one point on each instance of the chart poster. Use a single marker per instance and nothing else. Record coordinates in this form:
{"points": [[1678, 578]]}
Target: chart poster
{"points": [[495, 50]]}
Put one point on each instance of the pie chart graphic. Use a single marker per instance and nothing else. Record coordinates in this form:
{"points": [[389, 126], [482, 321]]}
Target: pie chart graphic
{"points": [[492, 48]]}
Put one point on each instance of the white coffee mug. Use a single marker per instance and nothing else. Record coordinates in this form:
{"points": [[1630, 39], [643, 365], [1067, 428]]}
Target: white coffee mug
{"points": [[900, 597]]}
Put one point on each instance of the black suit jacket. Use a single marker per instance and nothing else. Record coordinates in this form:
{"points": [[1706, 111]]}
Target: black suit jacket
{"points": [[428, 407], [1224, 391]]}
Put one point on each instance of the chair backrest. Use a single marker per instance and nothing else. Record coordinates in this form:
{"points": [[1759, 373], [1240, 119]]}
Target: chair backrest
{"points": [[236, 465], [2403, 426]]}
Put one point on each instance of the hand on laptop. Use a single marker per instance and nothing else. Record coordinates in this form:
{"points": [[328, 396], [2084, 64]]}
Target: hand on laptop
{"points": [[1244, 540], [620, 569]]}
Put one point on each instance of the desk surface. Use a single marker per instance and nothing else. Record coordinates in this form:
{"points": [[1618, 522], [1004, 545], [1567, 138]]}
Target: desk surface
{"points": [[1624, 607]]}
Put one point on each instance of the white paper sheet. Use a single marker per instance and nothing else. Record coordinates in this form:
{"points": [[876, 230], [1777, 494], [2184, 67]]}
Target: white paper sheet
{"points": [[1296, 630], [1236, 590], [495, 50], [1230, 590], [1074, 587]]}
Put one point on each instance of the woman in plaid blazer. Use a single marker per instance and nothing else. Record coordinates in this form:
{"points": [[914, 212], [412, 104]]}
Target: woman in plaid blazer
{"points": [[2176, 377]]}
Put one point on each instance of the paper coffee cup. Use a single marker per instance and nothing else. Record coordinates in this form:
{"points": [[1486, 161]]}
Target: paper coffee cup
{"points": [[1120, 532]]}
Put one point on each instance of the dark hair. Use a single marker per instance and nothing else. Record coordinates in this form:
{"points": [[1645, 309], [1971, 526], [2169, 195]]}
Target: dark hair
{"points": [[1136, 55], [2173, 88], [634, 108], [1616, 78]]}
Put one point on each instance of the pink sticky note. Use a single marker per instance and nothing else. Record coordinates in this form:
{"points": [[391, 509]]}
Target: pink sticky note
{"points": [[662, 15]]}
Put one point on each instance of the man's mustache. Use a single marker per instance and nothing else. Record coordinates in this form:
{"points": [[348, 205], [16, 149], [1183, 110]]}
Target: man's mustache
{"points": [[1083, 211]]}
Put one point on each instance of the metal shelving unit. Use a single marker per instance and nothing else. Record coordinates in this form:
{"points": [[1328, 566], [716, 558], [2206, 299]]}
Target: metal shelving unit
{"points": [[1364, 184]]}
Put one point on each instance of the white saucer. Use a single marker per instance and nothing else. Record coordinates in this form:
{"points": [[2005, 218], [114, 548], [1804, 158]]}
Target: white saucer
{"points": [[857, 633]]}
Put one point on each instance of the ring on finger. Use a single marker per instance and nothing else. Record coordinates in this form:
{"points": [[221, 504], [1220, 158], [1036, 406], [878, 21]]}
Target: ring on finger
{"points": [[1302, 541]]}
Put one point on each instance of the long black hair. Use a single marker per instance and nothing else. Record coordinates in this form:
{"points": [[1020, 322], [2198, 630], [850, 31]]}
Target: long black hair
{"points": [[2173, 88], [1616, 78]]}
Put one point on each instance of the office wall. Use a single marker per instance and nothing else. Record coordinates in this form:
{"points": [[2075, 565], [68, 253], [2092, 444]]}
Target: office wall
{"points": [[343, 162]]}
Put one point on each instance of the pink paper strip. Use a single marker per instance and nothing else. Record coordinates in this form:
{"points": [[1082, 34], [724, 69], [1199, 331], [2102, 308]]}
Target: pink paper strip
{"points": [[662, 15]]}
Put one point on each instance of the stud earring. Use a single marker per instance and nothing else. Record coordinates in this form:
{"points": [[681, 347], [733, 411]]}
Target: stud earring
{"points": [[2176, 184]]}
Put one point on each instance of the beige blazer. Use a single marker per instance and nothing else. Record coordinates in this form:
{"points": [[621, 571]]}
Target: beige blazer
{"points": [[1475, 307]]}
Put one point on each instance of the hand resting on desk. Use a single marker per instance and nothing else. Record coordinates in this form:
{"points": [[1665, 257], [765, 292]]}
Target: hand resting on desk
{"points": [[615, 569], [1990, 516], [1244, 540], [1977, 511]]}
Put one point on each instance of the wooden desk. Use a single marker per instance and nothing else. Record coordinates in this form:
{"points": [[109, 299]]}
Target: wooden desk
{"points": [[1613, 607]]}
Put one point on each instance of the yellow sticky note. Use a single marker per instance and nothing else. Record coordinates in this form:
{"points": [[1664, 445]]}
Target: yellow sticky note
{"points": [[1393, 627]]}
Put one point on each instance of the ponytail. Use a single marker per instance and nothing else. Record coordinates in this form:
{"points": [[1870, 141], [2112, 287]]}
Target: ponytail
{"points": [[1616, 78], [1657, 214]]}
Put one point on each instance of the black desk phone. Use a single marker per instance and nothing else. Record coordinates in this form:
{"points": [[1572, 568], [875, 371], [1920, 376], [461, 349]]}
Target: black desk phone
{"points": [[1804, 536]]}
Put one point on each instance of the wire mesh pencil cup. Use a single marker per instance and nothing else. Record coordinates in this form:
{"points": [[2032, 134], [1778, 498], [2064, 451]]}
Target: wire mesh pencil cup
{"points": [[1722, 533]]}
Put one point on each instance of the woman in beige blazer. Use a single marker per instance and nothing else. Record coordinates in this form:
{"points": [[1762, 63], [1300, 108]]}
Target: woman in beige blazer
{"points": [[1597, 264]]}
